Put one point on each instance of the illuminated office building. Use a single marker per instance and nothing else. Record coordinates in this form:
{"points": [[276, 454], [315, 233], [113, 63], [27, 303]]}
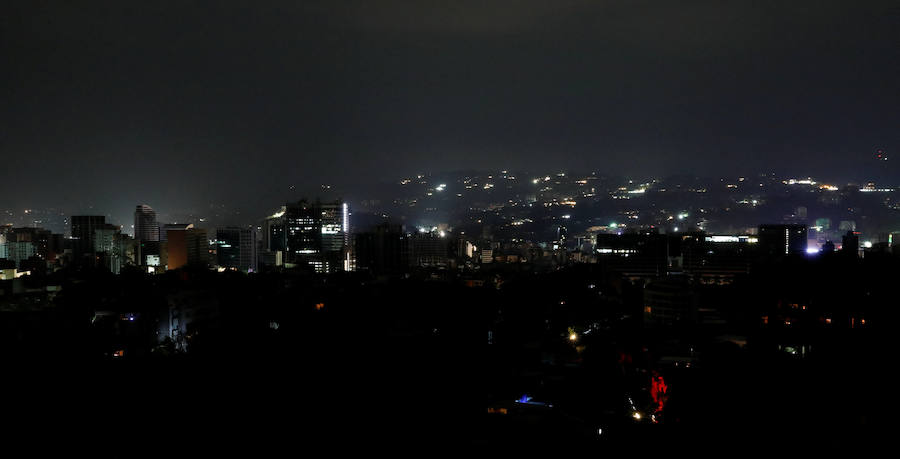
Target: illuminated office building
{"points": [[310, 234]]}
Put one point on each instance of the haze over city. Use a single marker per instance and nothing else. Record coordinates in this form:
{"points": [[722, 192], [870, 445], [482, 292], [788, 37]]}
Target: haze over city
{"points": [[187, 104]]}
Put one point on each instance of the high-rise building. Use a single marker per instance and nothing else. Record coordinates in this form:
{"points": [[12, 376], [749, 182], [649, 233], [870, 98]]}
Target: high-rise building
{"points": [[850, 244], [111, 247], [669, 301], [428, 249], [384, 250], [249, 250], [176, 249], [781, 240], [236, 248], [84, 250], [228, 247], [145, 226], [273, 232], [186, 247], [310, 234], [40, 237], [196, 247], [146, 236], [17, 252], [164, 229], [636, 255]]}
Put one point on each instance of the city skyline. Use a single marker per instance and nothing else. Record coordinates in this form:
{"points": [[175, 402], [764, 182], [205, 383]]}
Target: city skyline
{"points": [[384, 198], [500, 225]]}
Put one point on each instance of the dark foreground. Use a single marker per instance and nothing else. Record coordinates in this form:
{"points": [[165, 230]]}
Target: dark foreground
{"points": [[408, 368]]}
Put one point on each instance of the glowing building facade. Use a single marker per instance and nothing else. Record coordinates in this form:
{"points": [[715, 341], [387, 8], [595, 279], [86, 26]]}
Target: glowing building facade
{"points": [[310, 234]]}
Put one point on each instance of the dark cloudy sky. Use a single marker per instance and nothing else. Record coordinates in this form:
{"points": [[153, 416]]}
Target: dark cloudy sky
{"points": [[189, 102]]}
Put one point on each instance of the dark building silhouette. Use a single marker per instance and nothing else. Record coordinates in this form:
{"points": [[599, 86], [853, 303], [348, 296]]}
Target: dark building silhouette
{"points": [[146, 236], [164, 229], [196, 247], [429, 250], [716, 259], [249, 254], [384, 250], [669, 301], [173, 252], [145, 226], [176, 249], [40, 238], [228, 247], [83, 227], [236, 248], [782, 240], [111, 247], [632, 254], [850, 244]]}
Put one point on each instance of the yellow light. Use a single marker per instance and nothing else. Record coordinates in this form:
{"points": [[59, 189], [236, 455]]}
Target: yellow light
{"points": [[573, 337], [637, 416]]}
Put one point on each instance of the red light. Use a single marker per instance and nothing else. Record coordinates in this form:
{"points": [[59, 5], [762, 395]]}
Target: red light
{"points": [[658, 390]]}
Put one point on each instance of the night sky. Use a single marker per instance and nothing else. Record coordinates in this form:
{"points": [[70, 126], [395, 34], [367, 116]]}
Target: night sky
{"points": [[186, 103]]}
